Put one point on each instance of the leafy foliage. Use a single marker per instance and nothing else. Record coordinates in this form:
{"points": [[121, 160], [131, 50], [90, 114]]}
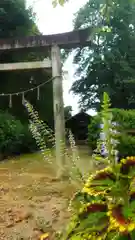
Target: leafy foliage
{"points": [[15, 138], [126, 121], [94, 131], [60, 2], [20, 17], [126, 118], [68, 112], [108, 64]]}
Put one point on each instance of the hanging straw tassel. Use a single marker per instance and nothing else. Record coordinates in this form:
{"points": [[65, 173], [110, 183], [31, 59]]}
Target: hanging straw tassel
{"points": [[38, 93], [23, 99], [10, 100]]}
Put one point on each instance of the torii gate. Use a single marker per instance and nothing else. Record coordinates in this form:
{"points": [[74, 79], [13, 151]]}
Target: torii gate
{"points": [[53, 43]]}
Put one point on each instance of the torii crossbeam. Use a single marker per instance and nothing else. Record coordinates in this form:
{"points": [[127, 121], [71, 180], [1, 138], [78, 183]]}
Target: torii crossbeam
{"points": [[63, 40]]}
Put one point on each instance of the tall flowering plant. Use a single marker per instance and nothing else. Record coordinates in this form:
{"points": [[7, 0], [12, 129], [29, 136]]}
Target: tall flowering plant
{"points": [[45, 136], [40, 132], [105, 208]]}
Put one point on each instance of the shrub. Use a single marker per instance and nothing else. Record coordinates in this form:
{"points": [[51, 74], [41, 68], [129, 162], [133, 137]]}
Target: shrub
{"points": [[126, 121], [15, 138], [127, 145], [28, 143], [93, 131], [125, 117]]}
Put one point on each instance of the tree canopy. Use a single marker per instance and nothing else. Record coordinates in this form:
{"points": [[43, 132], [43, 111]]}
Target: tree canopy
{"points": [[68, 112], [17, 21], [109, 62]]}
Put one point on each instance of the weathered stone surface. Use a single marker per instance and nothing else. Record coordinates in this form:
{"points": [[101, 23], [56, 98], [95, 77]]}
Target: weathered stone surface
{"points": [[69, 39]]}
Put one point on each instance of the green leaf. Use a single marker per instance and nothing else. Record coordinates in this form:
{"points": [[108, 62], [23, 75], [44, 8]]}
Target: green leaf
{"points": [[54, 3], [106, 182], [129, 210], [76, 237], [61, 2], [92, 221], [122, 238], [132, 234]]}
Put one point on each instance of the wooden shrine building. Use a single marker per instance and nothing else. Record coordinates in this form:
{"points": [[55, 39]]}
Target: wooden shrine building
{"points": [[78, 124]]}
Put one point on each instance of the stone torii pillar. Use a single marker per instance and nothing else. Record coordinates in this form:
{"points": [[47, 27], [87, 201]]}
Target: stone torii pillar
{"points": [[58, 106]]}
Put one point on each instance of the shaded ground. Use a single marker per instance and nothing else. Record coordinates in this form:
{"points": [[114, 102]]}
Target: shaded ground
{"points": [[31, 201]]}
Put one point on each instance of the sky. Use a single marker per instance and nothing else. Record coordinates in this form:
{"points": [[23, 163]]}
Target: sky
{"points": [[58, 20]]}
